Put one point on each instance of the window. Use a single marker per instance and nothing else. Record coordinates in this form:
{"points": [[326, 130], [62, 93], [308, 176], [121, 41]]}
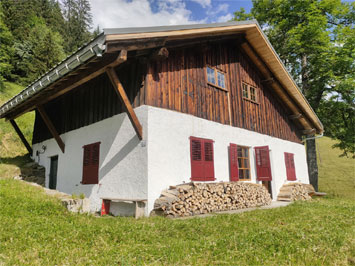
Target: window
{"points": [[91, 159], [249, 92], [243, 163], [216, 78], [202, 161], [290, 166]]}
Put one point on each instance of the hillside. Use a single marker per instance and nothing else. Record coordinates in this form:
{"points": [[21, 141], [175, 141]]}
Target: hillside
{"points": [[12, 151], [37, 230]]}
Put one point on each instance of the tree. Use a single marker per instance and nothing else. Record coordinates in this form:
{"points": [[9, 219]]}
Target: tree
{"points": [[6, 50], [78, 20], [27, 21], [312, 39]]}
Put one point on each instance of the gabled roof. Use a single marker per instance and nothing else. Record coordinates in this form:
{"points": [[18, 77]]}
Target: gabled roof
{"points": [[113, 40]]}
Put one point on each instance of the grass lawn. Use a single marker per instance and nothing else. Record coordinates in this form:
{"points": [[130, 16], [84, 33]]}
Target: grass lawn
{"points": [[36, 230]]}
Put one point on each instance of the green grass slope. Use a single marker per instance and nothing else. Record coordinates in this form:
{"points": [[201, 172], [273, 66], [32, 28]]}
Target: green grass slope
{"points": [[336, 174], [12, 151], [36, 230]]}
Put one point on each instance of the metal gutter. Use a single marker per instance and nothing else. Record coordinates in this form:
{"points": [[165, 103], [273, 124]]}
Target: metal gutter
{"points": [[95, 47]]}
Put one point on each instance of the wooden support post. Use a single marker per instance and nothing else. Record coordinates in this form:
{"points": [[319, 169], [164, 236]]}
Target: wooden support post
{"points": [[125, 101], [22, 137], [51, 127]]}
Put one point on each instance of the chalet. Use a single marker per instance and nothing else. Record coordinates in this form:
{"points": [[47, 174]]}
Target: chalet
{"points": [[139, 109]]}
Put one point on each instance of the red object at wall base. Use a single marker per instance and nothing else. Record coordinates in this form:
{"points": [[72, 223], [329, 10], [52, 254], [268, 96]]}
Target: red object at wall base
{"points": [[105, 207]]}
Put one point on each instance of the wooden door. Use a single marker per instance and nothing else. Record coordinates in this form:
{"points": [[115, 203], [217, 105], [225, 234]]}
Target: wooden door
{"points": [[53, 173]]}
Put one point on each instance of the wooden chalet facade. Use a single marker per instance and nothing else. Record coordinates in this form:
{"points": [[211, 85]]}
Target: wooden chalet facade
{"points": [[197, 102]]}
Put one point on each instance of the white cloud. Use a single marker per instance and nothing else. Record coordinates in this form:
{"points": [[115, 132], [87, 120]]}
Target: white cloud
{"points": [[203, 3], [138, 13], [225, 18]]}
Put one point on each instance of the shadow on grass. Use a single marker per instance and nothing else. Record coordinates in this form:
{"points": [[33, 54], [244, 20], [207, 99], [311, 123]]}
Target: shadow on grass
{"points": [[19, 161]]}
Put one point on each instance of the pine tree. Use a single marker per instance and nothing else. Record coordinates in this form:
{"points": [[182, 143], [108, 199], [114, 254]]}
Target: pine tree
{"points": [[6, 50], [78, 20]]}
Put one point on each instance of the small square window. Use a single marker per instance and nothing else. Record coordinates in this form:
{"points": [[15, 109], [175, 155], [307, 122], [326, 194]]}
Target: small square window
{"points": [[249, 92], [216, 78]]}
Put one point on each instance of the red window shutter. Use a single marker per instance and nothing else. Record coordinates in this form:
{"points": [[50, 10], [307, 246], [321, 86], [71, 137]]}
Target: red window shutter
{"points": [[290, 166], [263, 168], [233, 162], [202, 161], [91, 162], [209, 162]]}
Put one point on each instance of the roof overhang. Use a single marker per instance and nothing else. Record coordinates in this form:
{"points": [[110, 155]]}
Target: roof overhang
{"points": [[149, 37]]}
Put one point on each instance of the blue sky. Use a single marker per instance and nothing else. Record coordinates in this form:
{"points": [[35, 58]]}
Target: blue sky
{"points": [[140, 13]]}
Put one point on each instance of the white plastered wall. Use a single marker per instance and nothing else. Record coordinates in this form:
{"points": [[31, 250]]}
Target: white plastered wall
{"points": [[123, 159], [169, 151], [130, 168]]}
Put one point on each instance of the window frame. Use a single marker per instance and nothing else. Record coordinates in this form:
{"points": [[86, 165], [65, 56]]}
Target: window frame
{"points": [[203, 163], [216, 71], [241, 178], [248, 98]]}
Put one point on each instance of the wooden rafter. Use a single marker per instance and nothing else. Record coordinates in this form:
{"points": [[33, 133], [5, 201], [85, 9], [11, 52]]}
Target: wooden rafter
{"points": [[51, 127], [22, 137], [125, 101]]}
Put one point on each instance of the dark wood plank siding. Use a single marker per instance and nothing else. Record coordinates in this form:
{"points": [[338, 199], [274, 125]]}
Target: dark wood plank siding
{"points": [[91, 102], [182, 77], [177, 83]]}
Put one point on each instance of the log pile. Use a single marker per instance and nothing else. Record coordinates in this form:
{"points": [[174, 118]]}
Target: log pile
{"points": [[295, 191], [201, 198]]}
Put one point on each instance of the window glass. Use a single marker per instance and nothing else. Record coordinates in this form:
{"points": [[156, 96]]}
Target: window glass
{"points": [[221, 80], [243, 163], [210, 75], [252, 94], [245, 90]]}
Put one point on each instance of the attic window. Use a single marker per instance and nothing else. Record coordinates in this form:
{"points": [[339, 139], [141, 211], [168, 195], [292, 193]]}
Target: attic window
{"points": [[216, 78], [249, 92]]}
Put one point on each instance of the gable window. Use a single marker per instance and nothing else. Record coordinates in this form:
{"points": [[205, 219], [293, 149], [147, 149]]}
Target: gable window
{"points": [[290, 166], [91, 159], [243, 163], [202, 159], [249, 92], [216, 78]]}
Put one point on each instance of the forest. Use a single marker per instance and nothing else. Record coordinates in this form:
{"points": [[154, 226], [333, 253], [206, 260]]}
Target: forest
{"points": [[37, 34]]}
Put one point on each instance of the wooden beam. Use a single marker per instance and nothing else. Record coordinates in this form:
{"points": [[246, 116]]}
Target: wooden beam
{"points": [[114, 47], [70, 84], [311, 131], [295, 116], [22, 137], [51, 127], [125, 101], [160, 54]]}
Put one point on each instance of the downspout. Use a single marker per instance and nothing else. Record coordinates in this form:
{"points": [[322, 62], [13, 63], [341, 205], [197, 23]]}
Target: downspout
{"points": [[314, 137]]}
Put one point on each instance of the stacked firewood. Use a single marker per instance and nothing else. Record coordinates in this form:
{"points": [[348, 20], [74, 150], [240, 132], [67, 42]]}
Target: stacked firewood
{"points": [[201, 198], [295, 191]]}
